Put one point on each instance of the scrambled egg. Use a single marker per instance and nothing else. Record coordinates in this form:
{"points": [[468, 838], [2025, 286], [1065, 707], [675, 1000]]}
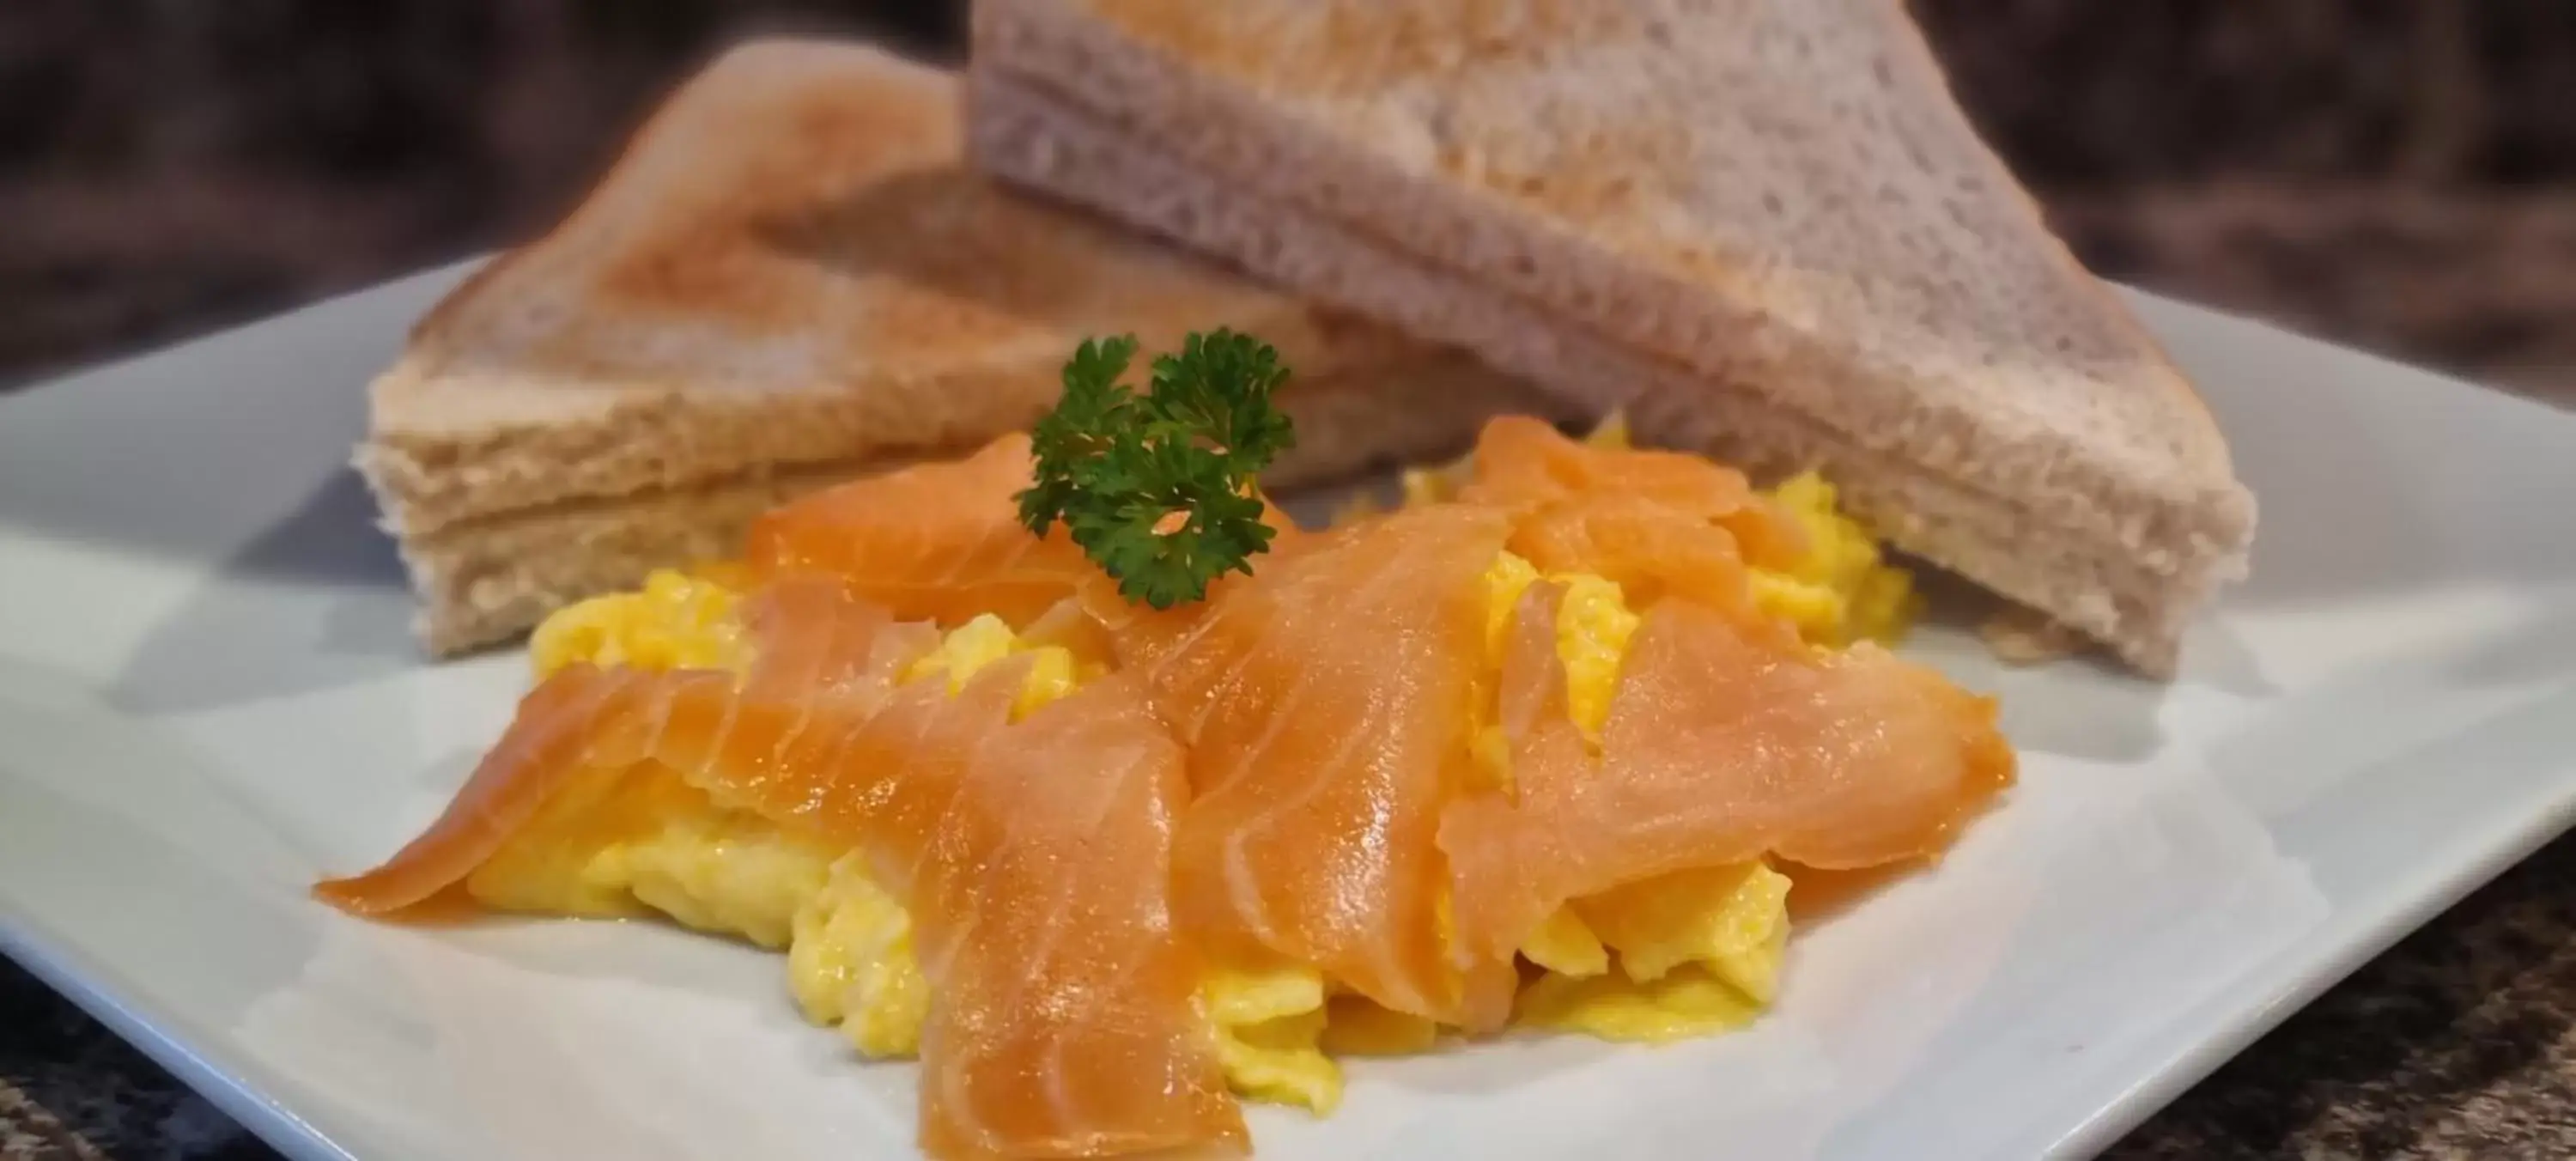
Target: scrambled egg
{"points": [[968, 648], [1270, 1024], [850, 963], [1842, 591], [1680, 1006], [1698, 952], [676, 621], [641, 841], [1593, 628]]}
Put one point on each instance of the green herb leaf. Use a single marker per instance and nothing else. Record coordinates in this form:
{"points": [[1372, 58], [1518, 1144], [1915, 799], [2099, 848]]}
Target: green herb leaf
{"points": [[1157, 489]]}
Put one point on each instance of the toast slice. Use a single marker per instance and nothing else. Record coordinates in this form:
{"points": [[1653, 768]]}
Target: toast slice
{"points": [[1762, 225], [789, 278]]}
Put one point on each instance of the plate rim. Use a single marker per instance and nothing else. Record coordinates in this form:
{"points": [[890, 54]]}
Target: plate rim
{"points": [[57, 965]]}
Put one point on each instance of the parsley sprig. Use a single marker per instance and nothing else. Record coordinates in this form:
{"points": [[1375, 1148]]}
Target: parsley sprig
{"points": [[1157, 488]]}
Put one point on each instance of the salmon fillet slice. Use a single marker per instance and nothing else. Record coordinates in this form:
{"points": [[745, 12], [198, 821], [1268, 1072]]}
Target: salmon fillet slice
{"points": [[807, 635], [1651, 550], [1523, 464], [1725, 743], [1325, 703], [1034, 856], [936, 541], [943, 542]]}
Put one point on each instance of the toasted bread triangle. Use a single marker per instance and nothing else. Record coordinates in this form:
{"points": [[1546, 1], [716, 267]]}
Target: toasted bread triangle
{"points": [[790, 264], [1775, 198], [791, 276]]}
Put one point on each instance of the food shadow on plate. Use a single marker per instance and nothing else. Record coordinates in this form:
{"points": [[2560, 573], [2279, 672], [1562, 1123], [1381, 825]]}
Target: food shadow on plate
{"points": [[331, 538], [187, 454], [1817, 896], [317, 600], [2081, 706], [648, 950]]}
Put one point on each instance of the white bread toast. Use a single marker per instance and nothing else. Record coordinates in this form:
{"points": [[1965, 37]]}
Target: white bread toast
{"points": [[1760, 224], [787, 279]]}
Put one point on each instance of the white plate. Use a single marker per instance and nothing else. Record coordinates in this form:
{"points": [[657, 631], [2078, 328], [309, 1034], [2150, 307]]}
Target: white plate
{"points": [[207, 697]]}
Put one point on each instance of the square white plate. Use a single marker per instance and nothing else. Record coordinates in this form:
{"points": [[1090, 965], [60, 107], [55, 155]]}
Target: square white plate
{"points": [[207, 698]]}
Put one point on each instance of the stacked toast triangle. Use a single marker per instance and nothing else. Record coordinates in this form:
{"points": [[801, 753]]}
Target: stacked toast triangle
{"points": [[788, 279], [1763, 226]]}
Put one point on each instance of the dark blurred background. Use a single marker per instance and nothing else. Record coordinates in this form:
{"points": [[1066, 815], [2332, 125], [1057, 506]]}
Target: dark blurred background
{"points": [[2390, 172]]}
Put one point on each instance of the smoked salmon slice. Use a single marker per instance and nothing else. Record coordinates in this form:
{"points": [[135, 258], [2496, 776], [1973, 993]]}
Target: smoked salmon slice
{"points": [[1649, 549], [537, 760], [1033, 856], [936, 541], [1325, 703], [807, 635], [1524, 464], [943, 542], [810, 633], [1066, 1020], [1529, 692], [1725, 743]]}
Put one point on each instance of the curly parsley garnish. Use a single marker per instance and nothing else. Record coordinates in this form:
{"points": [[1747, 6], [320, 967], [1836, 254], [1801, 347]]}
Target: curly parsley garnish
{"points": [[1158, 488]]}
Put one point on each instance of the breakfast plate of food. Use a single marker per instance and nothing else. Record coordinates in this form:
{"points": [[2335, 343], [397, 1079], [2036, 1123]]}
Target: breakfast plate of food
{"points": [[1319, 580]]}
